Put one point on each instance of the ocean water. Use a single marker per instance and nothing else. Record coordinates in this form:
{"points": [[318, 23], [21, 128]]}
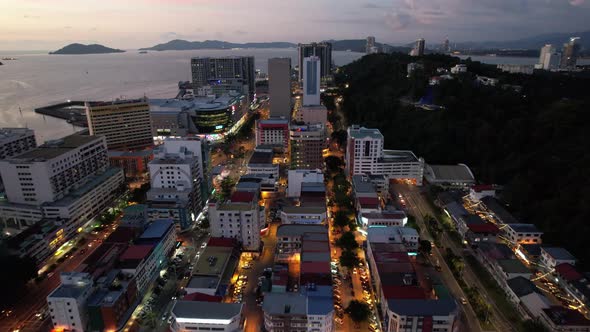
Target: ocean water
{"points": [[37, 79]]}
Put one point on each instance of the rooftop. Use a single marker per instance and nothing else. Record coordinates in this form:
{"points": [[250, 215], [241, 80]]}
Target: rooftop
{"points": [[451, 173], [206, 310], [484, 228], [393, 215], [404, 292], [568, 272], [9, 134], [419, 307], [357, 132], [483, 187], [498, 210], [299, 230], [455, 209], [559, 253], [213, 261], [273, 121], [157, 229], [399, 156], [565, 317], [137, 252], [197, 104], [285, 304], [304, 209], [362, 184], [55, 148], [524, 228], [513, 266], [369, 202], [521, 286], [200, 281], [261, 158], [242, 197], [313, 187]]}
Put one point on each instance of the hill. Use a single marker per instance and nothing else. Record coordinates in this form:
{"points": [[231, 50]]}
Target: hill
{"points": [[535, 142], [179, 45], [359, 45], [533, 42], [86, 49]]}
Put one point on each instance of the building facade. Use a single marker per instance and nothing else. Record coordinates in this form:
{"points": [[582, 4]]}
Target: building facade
{"points": [[321, 50], [126, 124], [224, 74], [273, 132], [206, 316], [67, 303], [311, 80], [297, 177], [14, 141], [311, 114], [307, 144], [279, 85], [133, 163]]}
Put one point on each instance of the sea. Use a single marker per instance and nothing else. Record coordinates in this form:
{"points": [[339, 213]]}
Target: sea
{"points": [[37, 79]]}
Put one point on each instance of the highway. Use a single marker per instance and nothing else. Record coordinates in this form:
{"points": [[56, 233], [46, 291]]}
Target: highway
{"points": [[419, 207]]}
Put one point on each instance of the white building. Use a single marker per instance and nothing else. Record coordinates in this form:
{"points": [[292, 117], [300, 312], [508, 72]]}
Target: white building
{"points": [[177, 181], [459, 68], [240, 218], [384, 218], [50, 171], [296, 177], [523, 233], [449, 175], [303, 215], [206, 316], [311, 80], [516, 69], [141, 260], [261, 162], [394, 235], [67, 303], [553, 256], [365, 156], [273, 132], [14, 141], [477, 192]]}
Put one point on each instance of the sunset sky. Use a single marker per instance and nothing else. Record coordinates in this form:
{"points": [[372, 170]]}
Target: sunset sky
{"points": [[50, 24]]}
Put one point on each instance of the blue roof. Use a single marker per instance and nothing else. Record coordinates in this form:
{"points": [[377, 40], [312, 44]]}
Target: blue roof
{"points": [[524, 228], [157, 229], [319, 306], [559, 253], [413, 307]]}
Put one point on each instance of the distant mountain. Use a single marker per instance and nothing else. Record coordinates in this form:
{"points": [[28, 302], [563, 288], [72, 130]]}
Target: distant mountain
{"points": [[359, 45], [86, 49], [179, 45], [533, 42]]}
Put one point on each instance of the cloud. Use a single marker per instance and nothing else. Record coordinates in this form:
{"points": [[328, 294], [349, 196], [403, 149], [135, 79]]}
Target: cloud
{"points": [[398, 20], [240, 32], [68, 27], [32, 17], [370, 5], [577, 2]]}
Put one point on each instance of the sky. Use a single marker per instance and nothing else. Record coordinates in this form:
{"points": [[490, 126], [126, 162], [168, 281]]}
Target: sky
{"points": [[131, 24]]}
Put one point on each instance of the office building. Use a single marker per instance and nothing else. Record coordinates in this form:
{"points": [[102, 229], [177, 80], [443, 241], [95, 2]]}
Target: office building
{"points": [[321, 50], [279, 85], [178, 186], [240, 218], [311, 81], [274, 132], [365, 155], [552, 61], [207, 316], [133, 163], [67, 303], [446, 46], [14, 141], [371, 47], [307, 144], [224, 74], [49, 172], [126, 124], [311, 114], [570, 53], [418, 49], [545, 50]]}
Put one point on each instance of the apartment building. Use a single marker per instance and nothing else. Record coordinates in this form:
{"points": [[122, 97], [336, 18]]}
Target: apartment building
{"points": [[68, 301], [307, 145], [274, 131], [126, 124], [14, 141]]}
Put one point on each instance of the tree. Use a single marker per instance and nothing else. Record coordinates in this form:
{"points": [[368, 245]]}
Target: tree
{"points": [[341, 219], [533, 326], [340, 137], [349, 259], [227, 186], [21, 271], [358, 311], [334, 164], [205, 223], [426, 247], [347, 241]]}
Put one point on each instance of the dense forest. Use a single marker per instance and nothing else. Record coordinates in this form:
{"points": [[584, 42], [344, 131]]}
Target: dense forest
{"points": [[534, 138]]}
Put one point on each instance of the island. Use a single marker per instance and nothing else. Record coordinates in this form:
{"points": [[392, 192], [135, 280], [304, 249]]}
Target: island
{"points": [[179, 44], [86, 49]]}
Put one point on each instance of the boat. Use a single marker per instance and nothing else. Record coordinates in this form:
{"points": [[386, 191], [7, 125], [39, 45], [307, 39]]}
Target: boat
{"points": [[9, 58], [142, 52]]}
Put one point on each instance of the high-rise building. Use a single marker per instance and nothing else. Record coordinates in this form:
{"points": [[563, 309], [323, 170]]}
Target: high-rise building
{"points": [[552, 61], [50, 171], [224, 74], [307, 144], [126, 124], [365, 156], [418, 49], [323, 51], [446, 47], [371, 47], [14, 141], [279, 85], [311, 81], [547, 49], [570, 53], [178, 189], [311, 114], [67, 303], [273, 132]]}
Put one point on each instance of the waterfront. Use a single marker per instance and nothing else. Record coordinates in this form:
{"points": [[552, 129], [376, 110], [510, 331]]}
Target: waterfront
{"points": [[36, 80]]}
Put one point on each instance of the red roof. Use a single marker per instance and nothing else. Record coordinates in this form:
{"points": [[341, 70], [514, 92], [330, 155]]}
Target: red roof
{"points": [[482, 187], [315, 267], [122, 235], [221, 242], [369, 202], [568, 272], [484, 228], [404, 292], [242, 197], [202, 297], [137, 252]]}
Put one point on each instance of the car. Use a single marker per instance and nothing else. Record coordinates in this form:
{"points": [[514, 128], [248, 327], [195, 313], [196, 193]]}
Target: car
{"points": [[268, 269], [463, 301], [164, 317], [339, 320], [203, 245]]}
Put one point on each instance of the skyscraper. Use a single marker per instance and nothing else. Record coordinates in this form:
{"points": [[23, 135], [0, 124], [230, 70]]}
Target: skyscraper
{"points": [[323, 51], [370, 48], [126, 124], [311, 80], [446, 46], [279, 85], [547, 49], [570, 53], [224, 74], [418, 49]]}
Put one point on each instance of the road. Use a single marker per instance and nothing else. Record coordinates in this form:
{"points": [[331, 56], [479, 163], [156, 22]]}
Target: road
{"points": [[419, 207]]}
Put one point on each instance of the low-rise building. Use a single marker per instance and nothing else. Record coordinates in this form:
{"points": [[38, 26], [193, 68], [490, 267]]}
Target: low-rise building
{"points": [[290, 237], [394, 235], [553, 256], [558, 318], [523, 233], [478, 192], [449, 176], [459, 68], [384, 218], [207, 316], [216, 265], [516, 69], [261, 162], [285, 312], [67, 303], [303, 215], [140, 261], [297, 177]]}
